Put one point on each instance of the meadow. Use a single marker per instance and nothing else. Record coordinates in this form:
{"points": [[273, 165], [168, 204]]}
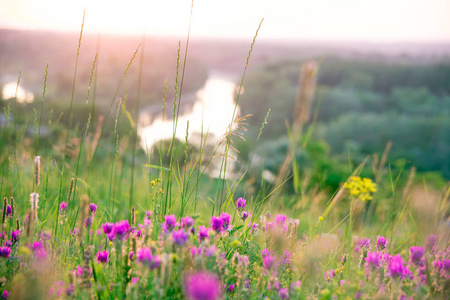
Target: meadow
{"points": [[87, 214]]}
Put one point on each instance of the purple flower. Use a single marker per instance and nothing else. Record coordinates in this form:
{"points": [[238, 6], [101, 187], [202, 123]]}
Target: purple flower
{"points": [[430, 243], [108, 227], [283, 293], [373, 260], [244, 215], [202, 286], [240, 204], [63, 207], [40, 253], [226, 218], [216, 224], [203, 233], [169, 223], [254, 227], [103, 256], [296, 285], [280, 220], [269, 226], [416, 254], [145, 256], [287, 259], [396, 268], [70, 290], [187, 222], [5, 252], [88, 221], [180, 237], [121, 229], [265, 252], [5, 294], [148, 214], [330, 275], [364, 243], [269, 261], [381, 242], [36, 245], [92, 209], [9, 211], [15, 235], [231, 287]]}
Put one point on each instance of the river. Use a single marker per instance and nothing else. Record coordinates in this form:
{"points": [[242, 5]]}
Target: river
{"points": [[212, 110]]}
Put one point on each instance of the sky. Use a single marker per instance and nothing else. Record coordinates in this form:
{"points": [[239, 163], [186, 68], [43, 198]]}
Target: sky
{"points": [[361, 20]]}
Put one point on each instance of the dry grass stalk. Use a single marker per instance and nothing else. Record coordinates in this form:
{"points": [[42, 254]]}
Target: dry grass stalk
{"points": [[302, 113]]}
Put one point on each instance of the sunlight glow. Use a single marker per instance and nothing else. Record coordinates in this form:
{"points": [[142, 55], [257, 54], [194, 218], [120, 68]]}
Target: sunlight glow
{"points": [[383, 20]]}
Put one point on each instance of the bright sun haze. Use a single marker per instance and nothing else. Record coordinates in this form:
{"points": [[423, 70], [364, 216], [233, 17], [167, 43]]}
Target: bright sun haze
{"points": [[384, 20]]}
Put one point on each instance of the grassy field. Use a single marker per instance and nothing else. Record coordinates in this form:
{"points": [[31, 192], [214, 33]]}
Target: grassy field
{"points": [[87, 214]]}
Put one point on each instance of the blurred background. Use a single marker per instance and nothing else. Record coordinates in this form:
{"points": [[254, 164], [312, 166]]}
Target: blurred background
{"points": [[376, 78]]}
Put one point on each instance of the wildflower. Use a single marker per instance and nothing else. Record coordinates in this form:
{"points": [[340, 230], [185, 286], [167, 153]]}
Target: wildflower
{"points": [[396, 268], [103, 256], [15, 235], [330, 275], [92, 209], [287, 260], [381, 242], [169, 223], [244, 215], [202, 286], [121, 229], [145, 256], [203, 233], [269, 261], [373, 260], [265, 252], [9, 211], [344, 258], [280, 220], [269, 226], [296, 285], [216, 224], [74, 231], [361, 188], [108, 227], [180, 237], [70, 290], [416, 254], [63, 207], [36, 245], [240, 204], [254, 227], [134, 280], [148, 214], [40, 253], [231, 287], [430, 243], [283, 293], [5, 294], [226, 218], [187, 222], [5, 251], [88, 222]]}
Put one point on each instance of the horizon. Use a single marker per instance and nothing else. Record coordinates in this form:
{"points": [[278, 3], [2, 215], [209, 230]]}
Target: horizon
{"points": [[405, 21], [285, 40]]}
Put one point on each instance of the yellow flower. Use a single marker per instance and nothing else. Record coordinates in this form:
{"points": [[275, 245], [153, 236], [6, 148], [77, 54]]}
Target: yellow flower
{"points": [[361, 188]]}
